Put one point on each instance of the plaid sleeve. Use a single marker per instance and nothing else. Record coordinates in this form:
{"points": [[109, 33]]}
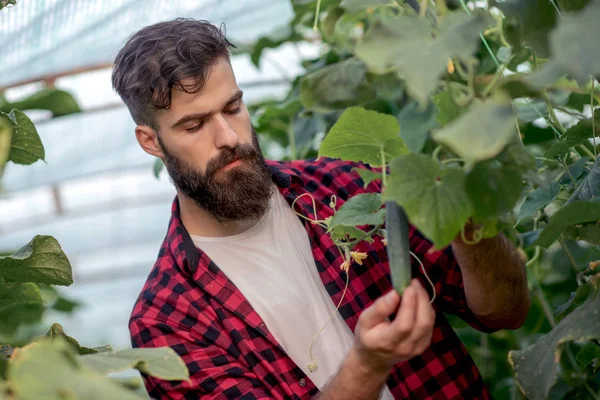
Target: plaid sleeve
{"points": [[214, 374]]}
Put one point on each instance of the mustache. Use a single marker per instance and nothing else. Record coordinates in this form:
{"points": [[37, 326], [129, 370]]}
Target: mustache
{"points": [[241, 152]]}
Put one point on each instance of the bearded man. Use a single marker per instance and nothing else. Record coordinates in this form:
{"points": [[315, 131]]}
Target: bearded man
{"points": [[243, 283]]}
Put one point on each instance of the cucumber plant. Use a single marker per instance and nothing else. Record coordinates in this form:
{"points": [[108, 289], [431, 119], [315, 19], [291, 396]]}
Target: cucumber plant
{"points": [[472, 111]]}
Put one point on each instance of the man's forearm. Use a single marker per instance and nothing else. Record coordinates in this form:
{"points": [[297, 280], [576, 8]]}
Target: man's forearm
{"points": [[355, 381], [495, 281]]}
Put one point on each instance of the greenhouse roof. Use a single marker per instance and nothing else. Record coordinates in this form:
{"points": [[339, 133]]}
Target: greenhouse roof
{"points": [[42, 38]]}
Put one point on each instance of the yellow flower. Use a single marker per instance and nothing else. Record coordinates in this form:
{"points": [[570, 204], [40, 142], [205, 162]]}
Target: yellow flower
{"points": [[358, 257], [345, 266]]}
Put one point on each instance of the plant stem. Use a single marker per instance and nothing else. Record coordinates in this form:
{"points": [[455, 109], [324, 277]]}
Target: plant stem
{"points": [[423, 8], [436, 153], [493, 82], [590, 391], [587, 151], [441, 4], [318, 10], [571, 258], [383, 170]]}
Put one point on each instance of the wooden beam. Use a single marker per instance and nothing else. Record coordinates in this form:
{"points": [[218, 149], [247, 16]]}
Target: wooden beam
{"points": [[53, 77]]}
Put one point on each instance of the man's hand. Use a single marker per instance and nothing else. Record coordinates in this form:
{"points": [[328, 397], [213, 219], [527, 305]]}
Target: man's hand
{"points": [[380, 343]]}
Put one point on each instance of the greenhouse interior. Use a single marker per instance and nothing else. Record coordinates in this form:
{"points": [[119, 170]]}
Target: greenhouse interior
{"points": [[96, 192], [440, 163]]}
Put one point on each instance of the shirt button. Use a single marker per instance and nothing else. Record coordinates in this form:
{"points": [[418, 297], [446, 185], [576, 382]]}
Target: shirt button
{"points": [[302, 382]]}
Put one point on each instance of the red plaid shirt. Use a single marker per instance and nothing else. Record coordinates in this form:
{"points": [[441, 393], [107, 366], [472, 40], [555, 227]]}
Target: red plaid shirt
{"points": [[188, 304]]}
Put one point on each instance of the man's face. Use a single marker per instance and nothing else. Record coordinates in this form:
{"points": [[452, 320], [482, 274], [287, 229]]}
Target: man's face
{"points": [[211, 149]]}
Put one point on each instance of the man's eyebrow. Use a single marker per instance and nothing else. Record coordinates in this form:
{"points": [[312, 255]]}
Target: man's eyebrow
{"points": [[200, 116]]}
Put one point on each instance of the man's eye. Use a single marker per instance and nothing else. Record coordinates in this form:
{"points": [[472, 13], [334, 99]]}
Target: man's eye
{"points": [[234, 111], [195, 127]]}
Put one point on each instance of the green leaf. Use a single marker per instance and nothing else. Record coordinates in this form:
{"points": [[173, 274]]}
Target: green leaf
{"points": [[334, 13], [57, 101], [162, 363], [535, 367], [6, 129], [572, 40], [588, 233], [362, 209], [588, 353], [157, 168], [539, 199], [448, 111], [528, 21], [493, 189], [347, 233], [571, 214], [576, 170], [575, 135], [576, 299], [336, 86], [363, 135], [56, 331], [415, 124], [367, 175], [26, 146], [405, 43], [481, 133], [589, 188], [281, 35], [48, 369], [41, 261], [434, 198], [20, 304]]}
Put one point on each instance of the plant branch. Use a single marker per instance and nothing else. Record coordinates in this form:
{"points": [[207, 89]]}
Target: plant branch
{"points": [[571, 258]]}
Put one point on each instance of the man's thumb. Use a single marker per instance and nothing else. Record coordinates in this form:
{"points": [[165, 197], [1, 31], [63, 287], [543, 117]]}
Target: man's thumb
{"points": [[382, 308]]}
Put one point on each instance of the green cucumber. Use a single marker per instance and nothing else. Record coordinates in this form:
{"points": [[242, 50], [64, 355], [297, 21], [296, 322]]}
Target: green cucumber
{"points": [[398, 245]]}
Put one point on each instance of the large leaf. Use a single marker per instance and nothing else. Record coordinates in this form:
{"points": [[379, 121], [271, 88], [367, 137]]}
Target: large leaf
{"points": [[41, 261], [405, 43], [571, 214], [162, 362], [493, 189], [56, 101], [434, 198], [362, 209], [416, 123], [336, 86], [589, 188], [529, 21], [57, 331], [20, 304], [26, 146], [364, 136], [539, 199], [572, 40], [588, 233], [480, 134], [48, 369], [535, 367]]}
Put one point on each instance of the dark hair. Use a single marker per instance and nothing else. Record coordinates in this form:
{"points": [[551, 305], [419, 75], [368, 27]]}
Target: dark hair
{"points": [[156, 58]]}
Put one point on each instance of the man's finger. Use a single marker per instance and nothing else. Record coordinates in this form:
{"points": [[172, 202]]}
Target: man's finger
{"points": [[378, 312], [405, 319]]}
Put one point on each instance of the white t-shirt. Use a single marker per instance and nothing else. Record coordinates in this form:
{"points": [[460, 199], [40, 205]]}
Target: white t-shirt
{"points": [[272, 265]]}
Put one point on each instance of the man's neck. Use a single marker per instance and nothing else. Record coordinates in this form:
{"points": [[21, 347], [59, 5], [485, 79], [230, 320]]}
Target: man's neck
{"points": [[198, 222]]}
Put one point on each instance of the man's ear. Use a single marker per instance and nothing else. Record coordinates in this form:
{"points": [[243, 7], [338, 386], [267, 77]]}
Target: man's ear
{"points": [[148, 140]]}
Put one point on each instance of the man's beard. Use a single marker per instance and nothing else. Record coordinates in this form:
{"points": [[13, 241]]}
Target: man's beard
{"points": [[240, 193]]}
